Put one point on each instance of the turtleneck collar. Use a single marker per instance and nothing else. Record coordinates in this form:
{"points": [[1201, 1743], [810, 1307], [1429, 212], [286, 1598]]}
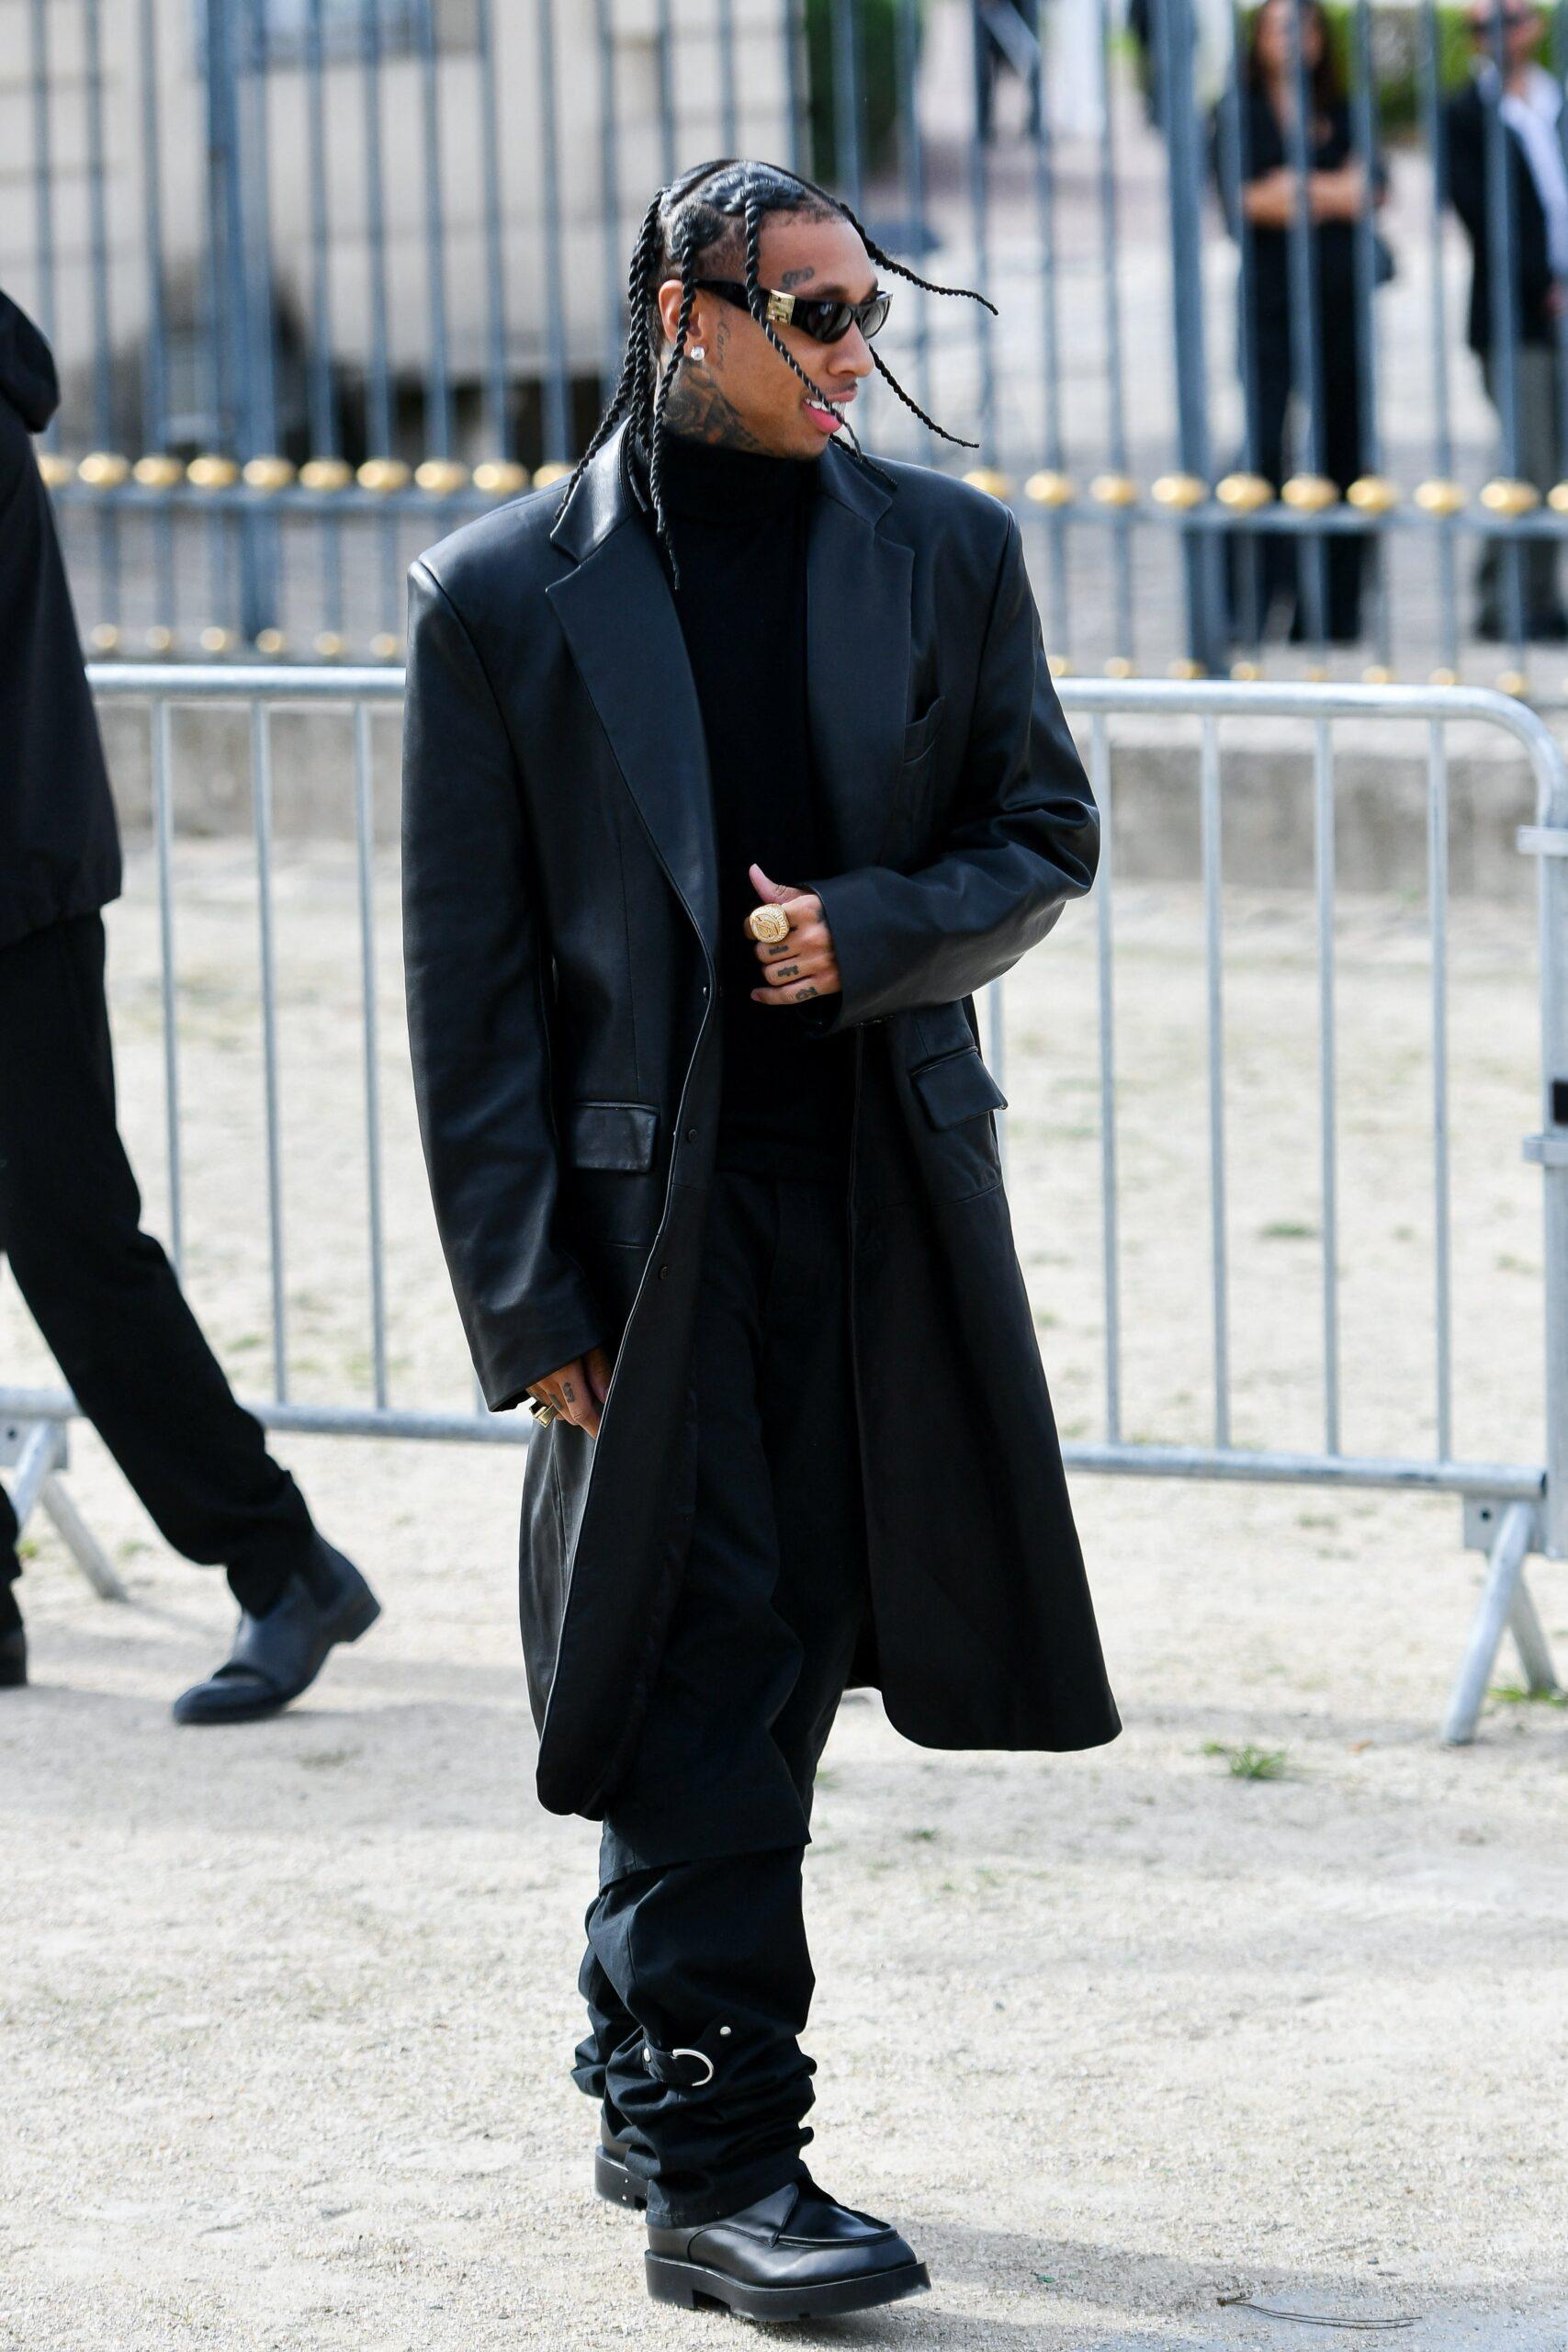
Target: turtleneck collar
{"points": [[718, 485]]}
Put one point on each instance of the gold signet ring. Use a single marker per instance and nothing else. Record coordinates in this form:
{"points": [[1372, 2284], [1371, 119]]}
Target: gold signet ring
{"points": [[544, 1412], [768, 924]]}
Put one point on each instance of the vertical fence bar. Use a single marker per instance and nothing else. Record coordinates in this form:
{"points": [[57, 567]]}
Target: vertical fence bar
{"points": [[438, 364], [1502, 372], [43, 180], [498, 420], [727, 113], [1307, 341], [1053, 439], [1438, 919], [1323, 827], [1201, 549], [255, 169], [104, 421], [155, 356], [261, 787], [1209, 791], [365, 830], [609, 204], [1372, 546], [664, 57], [323, 406], [556, 411], [379, 420], [911, 146], [1100, 773], [163, 838], [792, 32], [1430, 75], [979, 220], [846, 63], [1248, 568], [1110, 310]]}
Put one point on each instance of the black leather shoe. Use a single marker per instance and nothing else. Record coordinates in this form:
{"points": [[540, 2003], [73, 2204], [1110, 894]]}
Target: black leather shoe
{"points": [[611, 2177], [13, 1658], [792, 2255], [277, 1656]]}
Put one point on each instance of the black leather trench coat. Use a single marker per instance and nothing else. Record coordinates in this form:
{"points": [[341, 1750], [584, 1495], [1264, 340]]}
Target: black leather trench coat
{"points": [[560, 933]]}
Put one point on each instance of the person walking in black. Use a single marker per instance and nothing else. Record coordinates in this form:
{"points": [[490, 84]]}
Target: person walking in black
{"points": [[731, 770], [1320, 580], [101, 1291], [1515, 321]]}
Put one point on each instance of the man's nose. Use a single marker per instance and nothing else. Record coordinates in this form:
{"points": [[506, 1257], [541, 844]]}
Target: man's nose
{"points": [[851, 356]]}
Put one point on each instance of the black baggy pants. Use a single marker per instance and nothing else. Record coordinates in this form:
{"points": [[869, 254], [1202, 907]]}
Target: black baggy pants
{"points": [[696, 1975], [102, 1291]]}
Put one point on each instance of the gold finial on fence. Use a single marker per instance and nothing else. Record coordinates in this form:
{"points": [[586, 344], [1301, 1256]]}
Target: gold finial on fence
{"points": [[1050, 488], [56, 470], [105, 638], [104, 470], [987, 478], [212, 472], [557, 470], [1443, 678], [1373, 494], [268, 472], [1243, 493], [325, 474], [1509, 498], [442, 476], [499, 478], [1119, 666], [1059, 664], [1440, 497], [158, 470], [383, 475], [1113, 490], [272, 642], [1377, 673], [1513, 682], [1310, 493], [384, 647], [215, 639], [328, 645], [1246, 674], [160, 639], [1180, 490], [1186, 668]]}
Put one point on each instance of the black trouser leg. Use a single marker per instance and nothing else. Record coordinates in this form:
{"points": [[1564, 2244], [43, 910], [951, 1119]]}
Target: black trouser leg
{"points": [[697, 1977], [102, 1291]]}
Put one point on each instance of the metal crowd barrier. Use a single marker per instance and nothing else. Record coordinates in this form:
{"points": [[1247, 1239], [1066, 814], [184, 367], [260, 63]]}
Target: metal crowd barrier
{"points": [[1511, 1509]]}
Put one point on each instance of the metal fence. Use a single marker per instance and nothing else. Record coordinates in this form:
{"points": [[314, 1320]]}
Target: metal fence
{"points": [[326, 275], [1511, 1505]]}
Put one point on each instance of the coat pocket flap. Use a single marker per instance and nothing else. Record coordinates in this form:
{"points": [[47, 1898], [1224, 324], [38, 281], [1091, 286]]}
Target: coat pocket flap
{"points": [[956, 1086], [611, 1135]]}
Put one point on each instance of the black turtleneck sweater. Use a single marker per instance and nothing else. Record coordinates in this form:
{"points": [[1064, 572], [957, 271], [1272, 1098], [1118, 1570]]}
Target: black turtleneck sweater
{"points": [[737, 525]]}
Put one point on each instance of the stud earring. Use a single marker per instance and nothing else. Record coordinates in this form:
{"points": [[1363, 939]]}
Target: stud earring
{"points": [[699, 351]]}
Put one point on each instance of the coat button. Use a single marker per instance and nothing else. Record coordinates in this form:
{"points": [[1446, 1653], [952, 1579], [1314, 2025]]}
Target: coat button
{"points": [[690, 1134], [663, 1272]]}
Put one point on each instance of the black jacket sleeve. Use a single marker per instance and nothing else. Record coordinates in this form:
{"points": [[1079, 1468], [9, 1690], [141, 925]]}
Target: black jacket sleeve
{"points": [[476, 960], [1026, 839]]}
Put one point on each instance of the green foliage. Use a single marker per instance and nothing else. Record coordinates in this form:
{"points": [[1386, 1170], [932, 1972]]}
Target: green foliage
{"points": [[1398, 42], [1518, 1694], [1248, 1763]]}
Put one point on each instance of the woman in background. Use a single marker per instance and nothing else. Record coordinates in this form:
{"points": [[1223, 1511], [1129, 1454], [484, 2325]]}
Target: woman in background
{"points": [[1253, 154]]}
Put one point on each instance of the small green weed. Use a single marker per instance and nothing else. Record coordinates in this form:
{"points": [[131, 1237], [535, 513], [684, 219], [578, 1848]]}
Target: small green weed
{"points": [[1248, 1762]]}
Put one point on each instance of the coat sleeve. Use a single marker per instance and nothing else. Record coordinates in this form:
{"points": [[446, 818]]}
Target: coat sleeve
{"points": [[475, 959], [1025, 841]]}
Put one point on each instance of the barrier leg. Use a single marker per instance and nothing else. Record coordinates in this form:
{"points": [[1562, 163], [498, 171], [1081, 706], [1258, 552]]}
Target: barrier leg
{"points": [[1529, 1640], [39, 1452], [1505, 1601]]}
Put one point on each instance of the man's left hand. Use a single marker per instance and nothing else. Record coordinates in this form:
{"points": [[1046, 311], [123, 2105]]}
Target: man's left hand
{"points": [[802, 965]]}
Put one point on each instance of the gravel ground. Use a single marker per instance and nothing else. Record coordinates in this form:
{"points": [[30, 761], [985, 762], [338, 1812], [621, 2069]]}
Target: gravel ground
{"points": [[285, 2014]]}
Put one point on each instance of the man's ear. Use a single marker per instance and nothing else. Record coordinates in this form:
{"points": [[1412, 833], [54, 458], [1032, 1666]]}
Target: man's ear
{"points": [[670, 308]]}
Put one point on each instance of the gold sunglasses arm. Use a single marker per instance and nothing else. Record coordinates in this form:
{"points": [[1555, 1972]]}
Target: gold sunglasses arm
{"points": [[780, 309]]}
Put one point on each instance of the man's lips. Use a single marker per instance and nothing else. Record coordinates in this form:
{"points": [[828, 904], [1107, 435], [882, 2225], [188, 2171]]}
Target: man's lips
{"points": [[826, 419]]}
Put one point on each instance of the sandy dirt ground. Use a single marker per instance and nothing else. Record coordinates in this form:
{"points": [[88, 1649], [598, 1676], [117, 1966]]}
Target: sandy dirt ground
{"points": [[286, 2013]]}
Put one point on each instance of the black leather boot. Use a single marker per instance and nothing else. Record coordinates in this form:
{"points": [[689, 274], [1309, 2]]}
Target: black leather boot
{"points": [[610, 2178], [277, 1656], [792, 2255]]}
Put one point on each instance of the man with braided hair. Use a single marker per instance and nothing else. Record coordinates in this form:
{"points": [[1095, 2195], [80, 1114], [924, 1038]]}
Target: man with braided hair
{"points": [[732, 769]]}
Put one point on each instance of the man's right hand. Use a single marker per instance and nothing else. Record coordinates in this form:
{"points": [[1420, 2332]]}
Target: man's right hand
{"points": [[578, 1390]]}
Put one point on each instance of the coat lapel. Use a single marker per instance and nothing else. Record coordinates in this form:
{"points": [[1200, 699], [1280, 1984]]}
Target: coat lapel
{"points": [[625, 635], [858, 647]]}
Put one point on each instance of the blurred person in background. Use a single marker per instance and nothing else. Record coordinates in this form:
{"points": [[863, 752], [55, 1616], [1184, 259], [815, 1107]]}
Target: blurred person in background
{"points": [[1256, 123], [1515, 326], [101, 1290]]}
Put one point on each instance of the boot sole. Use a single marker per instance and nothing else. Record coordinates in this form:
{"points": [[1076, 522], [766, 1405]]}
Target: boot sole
{"points": [[612, 2182], [357, 1620], [694, 2287]]}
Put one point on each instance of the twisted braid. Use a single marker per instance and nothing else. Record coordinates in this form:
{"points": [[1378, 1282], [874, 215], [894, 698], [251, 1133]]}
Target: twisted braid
{"points": [[656, 456], [891, 381], [637, 357]]}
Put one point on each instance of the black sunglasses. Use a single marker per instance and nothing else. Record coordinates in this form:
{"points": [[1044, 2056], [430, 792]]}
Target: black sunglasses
{"points": [[823, 318]]}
